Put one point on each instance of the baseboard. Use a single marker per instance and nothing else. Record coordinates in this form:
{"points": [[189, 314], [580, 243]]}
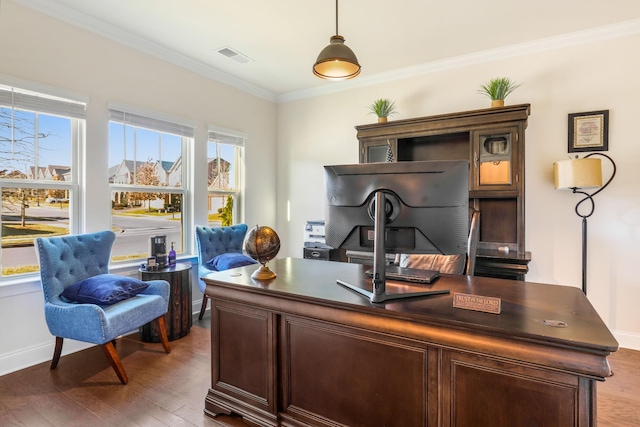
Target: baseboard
{"points": [[31, 356], [196, 305], [628, 340]]}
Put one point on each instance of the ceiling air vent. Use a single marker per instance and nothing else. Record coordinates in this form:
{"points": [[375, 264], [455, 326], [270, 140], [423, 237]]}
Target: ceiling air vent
{"points": [[234, 54]]}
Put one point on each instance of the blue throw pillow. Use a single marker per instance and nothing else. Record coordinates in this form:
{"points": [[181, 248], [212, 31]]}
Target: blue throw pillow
{"points": [[104, 289], [229, 260]]}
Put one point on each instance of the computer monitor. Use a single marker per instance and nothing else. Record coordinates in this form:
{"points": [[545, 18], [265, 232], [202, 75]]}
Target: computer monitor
{"points": [[425, 206]]}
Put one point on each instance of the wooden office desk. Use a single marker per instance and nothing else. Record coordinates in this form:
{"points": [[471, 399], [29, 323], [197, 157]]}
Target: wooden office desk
{"points": [[302, 350]]}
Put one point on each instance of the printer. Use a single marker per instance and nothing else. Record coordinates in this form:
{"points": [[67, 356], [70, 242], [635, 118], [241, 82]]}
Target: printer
{"points": [[314, 235], [315, 246]]}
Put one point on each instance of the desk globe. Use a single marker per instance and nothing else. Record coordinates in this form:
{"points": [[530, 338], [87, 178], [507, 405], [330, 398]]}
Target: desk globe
{"points": [[262, 244]]}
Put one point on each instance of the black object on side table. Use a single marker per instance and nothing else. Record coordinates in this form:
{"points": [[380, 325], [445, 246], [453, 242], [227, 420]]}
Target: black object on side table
{"points": [[178, 319]]}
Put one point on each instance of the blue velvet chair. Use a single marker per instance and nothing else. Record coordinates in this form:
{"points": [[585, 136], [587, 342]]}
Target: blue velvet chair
{"points": [[68, 260], [213, 241]]}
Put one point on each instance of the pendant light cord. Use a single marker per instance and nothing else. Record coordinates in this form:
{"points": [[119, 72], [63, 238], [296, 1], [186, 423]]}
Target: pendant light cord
{"points": [[337, 18]]}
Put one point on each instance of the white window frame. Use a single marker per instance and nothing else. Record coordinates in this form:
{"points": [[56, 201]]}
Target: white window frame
{"points": [[231, 137], [34, 101], [159, 122]]}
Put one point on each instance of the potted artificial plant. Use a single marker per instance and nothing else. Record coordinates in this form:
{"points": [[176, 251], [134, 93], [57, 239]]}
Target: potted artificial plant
{"points": [[497, 90], [383, 108]]}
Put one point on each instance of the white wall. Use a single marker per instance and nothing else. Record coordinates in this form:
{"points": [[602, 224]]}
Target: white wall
{"points": [[320, 130], [42, 52], [599, 75]]}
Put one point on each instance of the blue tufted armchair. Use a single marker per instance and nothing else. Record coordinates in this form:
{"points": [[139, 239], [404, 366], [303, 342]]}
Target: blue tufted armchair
{"points": [[213, 241], [68, 260]]}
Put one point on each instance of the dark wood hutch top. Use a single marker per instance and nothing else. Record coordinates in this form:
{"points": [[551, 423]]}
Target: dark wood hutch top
{"points": [[445, 123]]}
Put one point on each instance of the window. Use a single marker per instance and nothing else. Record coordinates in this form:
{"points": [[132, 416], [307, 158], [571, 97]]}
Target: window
{"points": [[148, 165], [225, 164], [39, 140]]}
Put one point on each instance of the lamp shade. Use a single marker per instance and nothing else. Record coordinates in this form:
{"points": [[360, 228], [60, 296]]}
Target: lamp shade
{"points": [[578, 173], [336, 61]]}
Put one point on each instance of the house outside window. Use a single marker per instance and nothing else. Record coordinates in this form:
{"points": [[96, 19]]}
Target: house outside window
{"points": [[148, 166], [225, 176], [39, 140]]}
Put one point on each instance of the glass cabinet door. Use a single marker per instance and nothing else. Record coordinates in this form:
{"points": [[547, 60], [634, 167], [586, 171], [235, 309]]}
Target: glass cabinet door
{"points": [[376, 151], [493, 159]]}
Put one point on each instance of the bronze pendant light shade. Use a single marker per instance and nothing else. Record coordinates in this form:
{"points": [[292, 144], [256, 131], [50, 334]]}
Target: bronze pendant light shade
{"points": [[336, 61]]}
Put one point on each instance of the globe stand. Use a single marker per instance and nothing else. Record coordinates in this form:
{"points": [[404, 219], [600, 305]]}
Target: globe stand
{"points": [[262, 244], [263, 273]]}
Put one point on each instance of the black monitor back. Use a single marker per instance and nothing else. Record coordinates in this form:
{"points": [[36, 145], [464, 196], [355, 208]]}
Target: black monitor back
{"points": [[426, 204]]}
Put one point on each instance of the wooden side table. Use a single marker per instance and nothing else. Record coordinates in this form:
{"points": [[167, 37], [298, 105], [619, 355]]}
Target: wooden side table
{"points": [[179, 318]]}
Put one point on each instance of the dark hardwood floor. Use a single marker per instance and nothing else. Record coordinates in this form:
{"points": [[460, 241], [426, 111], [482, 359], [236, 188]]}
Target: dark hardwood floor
{"points": [[169, 390]]}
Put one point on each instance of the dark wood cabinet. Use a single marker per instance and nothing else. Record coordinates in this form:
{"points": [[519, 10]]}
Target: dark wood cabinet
{"points": [[493, 141]]}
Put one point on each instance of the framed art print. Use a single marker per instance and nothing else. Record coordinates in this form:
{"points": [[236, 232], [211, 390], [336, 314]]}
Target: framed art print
{"points": [[589, 131]]}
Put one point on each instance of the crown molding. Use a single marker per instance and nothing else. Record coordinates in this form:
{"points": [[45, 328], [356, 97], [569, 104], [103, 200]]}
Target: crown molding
{"points": [[70, 16], [65, 14], [592, 35]]}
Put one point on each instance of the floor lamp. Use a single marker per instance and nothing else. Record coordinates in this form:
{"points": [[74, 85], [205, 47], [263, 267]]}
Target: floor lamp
{"points": [[578, 175]]}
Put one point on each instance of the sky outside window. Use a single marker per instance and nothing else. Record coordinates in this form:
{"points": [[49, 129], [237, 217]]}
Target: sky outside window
{"points": [[54, 141], [141, 145]]}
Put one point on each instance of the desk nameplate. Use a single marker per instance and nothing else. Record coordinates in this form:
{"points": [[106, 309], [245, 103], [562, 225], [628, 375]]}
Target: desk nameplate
{"points": [[477, 303]]}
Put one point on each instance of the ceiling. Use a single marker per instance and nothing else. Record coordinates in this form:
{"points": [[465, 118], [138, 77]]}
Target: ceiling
{"points": [[282, 38]]}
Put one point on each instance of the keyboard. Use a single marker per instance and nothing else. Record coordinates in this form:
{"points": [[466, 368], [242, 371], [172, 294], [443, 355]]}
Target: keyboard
{"points": [[405, 274]]}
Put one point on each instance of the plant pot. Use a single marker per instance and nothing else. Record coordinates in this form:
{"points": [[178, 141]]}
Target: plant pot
{"points": [[382, 120], [497, 103]]}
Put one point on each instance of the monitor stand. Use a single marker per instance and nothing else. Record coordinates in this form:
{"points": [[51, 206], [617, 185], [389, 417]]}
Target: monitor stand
{"points": [[379, 294]]}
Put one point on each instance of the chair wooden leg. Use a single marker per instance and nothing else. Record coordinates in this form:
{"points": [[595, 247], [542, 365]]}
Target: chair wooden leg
{"points": [[56, 352], [205, 298], [114, 359], [162, 334]]}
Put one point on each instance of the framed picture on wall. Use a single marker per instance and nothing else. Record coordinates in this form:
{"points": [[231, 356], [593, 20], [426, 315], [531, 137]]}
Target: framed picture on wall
{"points": [[589, 131]]}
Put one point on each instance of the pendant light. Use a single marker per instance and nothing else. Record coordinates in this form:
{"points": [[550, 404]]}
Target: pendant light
{"points": [[336, 61]]}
